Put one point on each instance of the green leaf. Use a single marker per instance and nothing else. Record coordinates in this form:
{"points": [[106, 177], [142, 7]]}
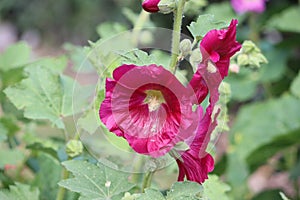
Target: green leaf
{"points": [[44, 146], [151, 194], [79, 59], [10, 157], [47, 95], [295, 88], [204, 24], [185, 190], [223, 11], [56, 65], [109, 29], [214, 189], [286, 20], [256, 125], [20, 192], [261, 155], [90, 122], [48, 176], [179, 191], [95, 182], [15, 56], [3, 133]]}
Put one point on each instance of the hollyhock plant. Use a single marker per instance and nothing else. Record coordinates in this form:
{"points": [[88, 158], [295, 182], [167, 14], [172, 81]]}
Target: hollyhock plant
{"points": [[151, 5], [243, 6], [149, 107], [216, 47]]}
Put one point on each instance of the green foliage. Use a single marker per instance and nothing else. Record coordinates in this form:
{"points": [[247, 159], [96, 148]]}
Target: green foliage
{"points": [[295, 88], [20, 192], [8, 59], [252, 130], [179, 190], [286, 20], [214, 189], [10, 157], [95, 182], [47, 95], [204, 24]]}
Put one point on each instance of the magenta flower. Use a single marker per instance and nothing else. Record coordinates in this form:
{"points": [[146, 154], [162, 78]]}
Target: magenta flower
{"points": [[151, 5], [149, 107], [219, 45], [243, 6]]}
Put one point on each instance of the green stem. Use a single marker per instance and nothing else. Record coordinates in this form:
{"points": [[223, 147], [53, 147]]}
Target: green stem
{"points": [[143, 17], [178, 13], [61, 191], [147, 180], [254, 35]]}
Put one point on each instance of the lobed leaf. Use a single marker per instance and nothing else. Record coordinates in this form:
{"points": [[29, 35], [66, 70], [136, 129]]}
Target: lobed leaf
{"points": [[20, 192], [45, 94], [95, 182]]}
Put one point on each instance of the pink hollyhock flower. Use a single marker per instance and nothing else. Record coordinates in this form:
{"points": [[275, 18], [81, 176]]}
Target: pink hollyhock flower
{"points": [[151, 5], [243, 6], [219, 45], [149, 107]]}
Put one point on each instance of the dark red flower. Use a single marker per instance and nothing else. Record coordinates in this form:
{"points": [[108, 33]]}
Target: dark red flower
{"points": [[219, 45], [151, 5], [149, 107]]}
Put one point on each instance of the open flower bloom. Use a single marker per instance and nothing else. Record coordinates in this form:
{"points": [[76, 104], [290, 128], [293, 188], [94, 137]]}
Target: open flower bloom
{"points": [[149, 107], [151, 5], [243, 6]]}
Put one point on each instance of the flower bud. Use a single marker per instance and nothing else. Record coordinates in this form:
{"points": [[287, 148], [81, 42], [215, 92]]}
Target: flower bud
{"points": [[195, 59], [251, 55], [74, 148], [151, 5], [185, 47], [166, 6]]}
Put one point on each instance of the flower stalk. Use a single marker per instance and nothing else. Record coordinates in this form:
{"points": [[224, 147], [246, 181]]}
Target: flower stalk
{"points": [[178, 14], [147, 180]]}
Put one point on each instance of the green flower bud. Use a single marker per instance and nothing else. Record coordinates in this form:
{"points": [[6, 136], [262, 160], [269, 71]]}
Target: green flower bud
{"points": [[251, 55], [166, 6], [195, 58], [185, 47], [243, 59], [74, 148]]}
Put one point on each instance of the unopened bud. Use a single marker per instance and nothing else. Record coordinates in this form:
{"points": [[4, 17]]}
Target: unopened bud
{"points": [[243, 59], [151, 5], [166, 6], [195, 58], [185, 47], [251, 55], [74, 148]]}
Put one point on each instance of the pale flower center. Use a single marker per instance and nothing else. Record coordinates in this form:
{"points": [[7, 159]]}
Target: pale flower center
{"points": [[154, 99]]}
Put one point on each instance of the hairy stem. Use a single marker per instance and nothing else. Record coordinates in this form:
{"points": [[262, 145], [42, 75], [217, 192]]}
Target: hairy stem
{"points": [[178, 14], [61, 191], [147, 180]]}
